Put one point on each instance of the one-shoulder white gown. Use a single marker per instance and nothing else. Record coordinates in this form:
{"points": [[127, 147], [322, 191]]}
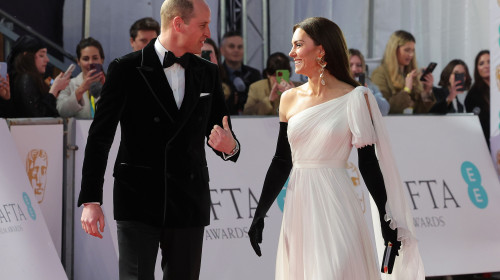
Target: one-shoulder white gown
{"points": [[324, 235]]}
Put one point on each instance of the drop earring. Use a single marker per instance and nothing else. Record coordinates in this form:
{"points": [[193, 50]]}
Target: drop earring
{"points": [[322, 63]]}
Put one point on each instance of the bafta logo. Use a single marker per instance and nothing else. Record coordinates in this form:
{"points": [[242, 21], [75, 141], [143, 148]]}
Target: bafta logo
{"points": [[353, 172], [36, 167]]}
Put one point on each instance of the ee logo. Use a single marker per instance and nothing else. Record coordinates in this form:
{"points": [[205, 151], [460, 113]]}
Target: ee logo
{"points": [[472, 177], [281, 196], [27, 201]]}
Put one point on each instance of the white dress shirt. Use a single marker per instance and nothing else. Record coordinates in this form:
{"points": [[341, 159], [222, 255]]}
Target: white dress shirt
{"points": [[177, 80], [175, 75]]}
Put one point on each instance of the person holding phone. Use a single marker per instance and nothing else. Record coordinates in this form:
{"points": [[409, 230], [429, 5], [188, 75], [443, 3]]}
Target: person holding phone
{"points": [[31, 96], [211, 49], [455, 79], [80, 97], [264, 95], [358, 70], [477, 100], [398, 77]]}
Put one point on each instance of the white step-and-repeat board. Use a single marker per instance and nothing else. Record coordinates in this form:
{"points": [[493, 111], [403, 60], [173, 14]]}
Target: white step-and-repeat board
{"points": [[26, 247], [40, 148], [447, 174]]}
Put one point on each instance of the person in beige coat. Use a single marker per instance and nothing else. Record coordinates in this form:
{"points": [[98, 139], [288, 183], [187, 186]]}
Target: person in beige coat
{"points": [[264, 95], [398, 77], [80, 97]]}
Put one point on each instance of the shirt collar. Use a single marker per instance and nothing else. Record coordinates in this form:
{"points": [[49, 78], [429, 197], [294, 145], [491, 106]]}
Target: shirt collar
{"points": [[160, 50], [230, 71]]}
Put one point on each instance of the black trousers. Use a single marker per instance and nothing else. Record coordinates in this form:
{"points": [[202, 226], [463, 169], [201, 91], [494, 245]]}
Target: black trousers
{"points": [[138, 247]]}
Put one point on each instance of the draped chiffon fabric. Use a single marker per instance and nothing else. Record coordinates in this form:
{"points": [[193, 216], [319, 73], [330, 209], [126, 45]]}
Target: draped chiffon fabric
{"points": [[323, 233]]}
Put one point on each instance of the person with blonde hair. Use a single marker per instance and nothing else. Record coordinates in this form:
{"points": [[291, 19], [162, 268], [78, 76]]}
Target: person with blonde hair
{"points": [[398, 77]]}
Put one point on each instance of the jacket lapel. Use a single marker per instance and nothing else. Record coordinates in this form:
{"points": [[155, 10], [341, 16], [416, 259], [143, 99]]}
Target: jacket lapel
{"points": [[193, 75], [152, 72]]}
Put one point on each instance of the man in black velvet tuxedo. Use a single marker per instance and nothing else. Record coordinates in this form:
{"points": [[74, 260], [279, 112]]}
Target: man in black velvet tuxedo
{"points": [[167, 101]]}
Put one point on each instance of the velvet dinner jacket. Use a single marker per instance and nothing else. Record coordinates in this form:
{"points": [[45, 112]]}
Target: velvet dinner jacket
{"points": [[161, 174]]}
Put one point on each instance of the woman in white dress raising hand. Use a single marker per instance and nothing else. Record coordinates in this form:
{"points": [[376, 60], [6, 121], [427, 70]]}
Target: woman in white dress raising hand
{"points": [[323, 232]]}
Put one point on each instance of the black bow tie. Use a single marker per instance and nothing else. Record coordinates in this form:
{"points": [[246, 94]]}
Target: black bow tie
{"points": [[170, 59]]}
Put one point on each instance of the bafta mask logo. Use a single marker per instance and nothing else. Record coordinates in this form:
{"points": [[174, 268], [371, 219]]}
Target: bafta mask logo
{"points": [[36, 167], [353, 172]]}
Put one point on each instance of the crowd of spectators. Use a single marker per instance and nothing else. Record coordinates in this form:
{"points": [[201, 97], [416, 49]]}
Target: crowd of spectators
{"points": [[397, 82], [399, 85]]}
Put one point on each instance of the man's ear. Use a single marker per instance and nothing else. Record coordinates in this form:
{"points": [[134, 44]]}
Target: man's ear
{"points": [[131, 42], [178, 23]]}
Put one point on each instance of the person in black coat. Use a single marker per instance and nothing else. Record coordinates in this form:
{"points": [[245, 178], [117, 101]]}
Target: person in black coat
{"points": [[168, 101], [234, 73], [478, 97], [446, 96], [31, 96]]}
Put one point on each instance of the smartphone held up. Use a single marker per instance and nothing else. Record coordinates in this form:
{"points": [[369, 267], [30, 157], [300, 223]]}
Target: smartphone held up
{"points": [[97, 67], [206, 54], [282, 78], [360, 77], [70, 70], [460, 77], [428, 70], [3, 70]]}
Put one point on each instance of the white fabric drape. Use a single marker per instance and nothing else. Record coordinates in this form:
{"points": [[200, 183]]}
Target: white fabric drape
{"points": [[408, 265]]}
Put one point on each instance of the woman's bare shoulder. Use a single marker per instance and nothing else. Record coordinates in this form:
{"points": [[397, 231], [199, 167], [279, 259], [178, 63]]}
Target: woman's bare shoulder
{"points": [[288, 99]]}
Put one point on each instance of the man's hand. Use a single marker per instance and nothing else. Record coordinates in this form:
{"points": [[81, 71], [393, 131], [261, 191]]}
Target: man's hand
{"points": [[92, 213], [221, 139]]}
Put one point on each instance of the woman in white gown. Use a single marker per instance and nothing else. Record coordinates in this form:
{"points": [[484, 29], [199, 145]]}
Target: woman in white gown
{"points": [[323, 234]]}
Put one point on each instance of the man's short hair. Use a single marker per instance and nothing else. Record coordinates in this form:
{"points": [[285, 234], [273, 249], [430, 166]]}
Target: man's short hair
{"points": [[173, 8], [231, 34], [146, 23]]}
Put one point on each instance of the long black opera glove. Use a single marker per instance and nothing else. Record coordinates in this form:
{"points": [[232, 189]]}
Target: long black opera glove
{"points": [[370, 170], [276, 177]]}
